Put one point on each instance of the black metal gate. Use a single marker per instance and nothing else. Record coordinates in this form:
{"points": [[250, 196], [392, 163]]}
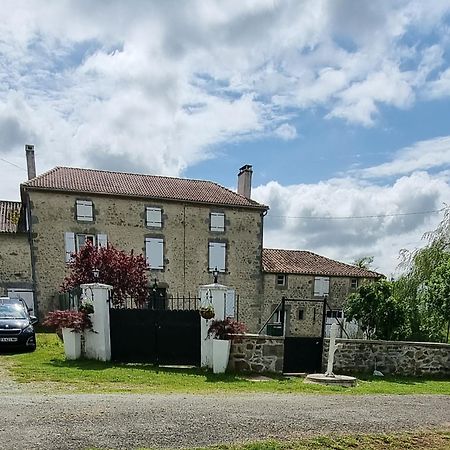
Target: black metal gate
{"points": [[157, 336], [303, 354]]}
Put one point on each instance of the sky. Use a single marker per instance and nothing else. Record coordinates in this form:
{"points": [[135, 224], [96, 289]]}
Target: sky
{"points": [[341, 106]]}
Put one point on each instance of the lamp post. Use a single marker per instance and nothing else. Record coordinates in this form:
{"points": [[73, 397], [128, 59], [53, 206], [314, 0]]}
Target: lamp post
{"points": [[215, 275], [95, 273]]}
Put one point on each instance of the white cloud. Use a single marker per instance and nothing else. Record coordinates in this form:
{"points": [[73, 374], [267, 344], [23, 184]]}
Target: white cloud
{"points": [[297, 218], [423, 155], [286, 132]]}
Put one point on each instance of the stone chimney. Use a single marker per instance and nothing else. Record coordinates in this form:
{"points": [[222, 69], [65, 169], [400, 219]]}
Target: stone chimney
{"points": [[245, 181], [31, 165]]}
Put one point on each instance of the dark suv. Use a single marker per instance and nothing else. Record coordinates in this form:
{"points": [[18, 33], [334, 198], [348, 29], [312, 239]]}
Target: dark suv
{"points": [[16, 325]]}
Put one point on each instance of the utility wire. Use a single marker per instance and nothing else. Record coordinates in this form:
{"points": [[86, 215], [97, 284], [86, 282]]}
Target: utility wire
{"points": [[15, 165], [374, 216]]}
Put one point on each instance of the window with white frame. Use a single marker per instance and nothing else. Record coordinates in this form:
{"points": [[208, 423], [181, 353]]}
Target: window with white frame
{"points": [[74, 242], [217, 221], [354, 283], [281, 279], [321, 286], [154, 253], [85, 210], [153, 217], [217, 256]]}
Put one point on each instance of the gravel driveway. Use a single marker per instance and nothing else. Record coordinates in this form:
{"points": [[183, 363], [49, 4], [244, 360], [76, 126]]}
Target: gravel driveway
{"points": [[128, 421]]}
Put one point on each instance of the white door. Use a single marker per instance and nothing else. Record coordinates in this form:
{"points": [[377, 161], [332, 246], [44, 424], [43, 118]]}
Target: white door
{"points": [[26, 295]]}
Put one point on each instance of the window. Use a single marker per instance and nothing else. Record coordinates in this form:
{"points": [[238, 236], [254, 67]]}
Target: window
{"points": [[354, 283], [85, 211], [278, 316], [301, 314], [153, 217], [217, 256], [75, 242], [334, 314], [154, 253], [217, 222], [321, 286], [281, 279]]}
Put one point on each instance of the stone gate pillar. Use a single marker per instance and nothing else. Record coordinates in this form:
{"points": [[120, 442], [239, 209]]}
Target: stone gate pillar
{"points": [[215, 295], [97, 342]]}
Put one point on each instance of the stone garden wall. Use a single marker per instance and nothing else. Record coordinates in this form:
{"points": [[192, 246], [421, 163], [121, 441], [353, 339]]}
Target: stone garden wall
{"points": [[255, 353], [401, 358]]}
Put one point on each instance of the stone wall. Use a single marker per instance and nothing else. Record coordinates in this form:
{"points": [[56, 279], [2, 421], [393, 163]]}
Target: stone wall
{"points": [[15, 262], [186, 235], [390, 357], [257, 353]]}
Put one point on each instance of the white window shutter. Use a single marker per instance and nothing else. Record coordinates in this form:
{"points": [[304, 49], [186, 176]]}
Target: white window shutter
{"points": [[217, 222], [69, 239], [230, 303], [317, 286], [102, 240], [154, 253], [326, 286], [154, 217], [217, 256], [84, 210]]}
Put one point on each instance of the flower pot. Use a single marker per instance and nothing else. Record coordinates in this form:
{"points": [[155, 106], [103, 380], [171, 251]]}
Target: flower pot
{"points": [[72, 343], [221, 354], [207, 313]]}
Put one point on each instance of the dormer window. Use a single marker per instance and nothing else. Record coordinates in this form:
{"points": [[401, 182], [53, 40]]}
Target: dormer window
{"points": [[85, 211], [153, 217], [217, 222]]}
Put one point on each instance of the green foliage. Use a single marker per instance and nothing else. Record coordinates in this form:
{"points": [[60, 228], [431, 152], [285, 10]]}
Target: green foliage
{"points": [[379, 313], [424, 288]]}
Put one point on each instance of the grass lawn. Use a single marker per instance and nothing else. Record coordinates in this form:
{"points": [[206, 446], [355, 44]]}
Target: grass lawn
{"points": [[430, 440], [47, 368]]}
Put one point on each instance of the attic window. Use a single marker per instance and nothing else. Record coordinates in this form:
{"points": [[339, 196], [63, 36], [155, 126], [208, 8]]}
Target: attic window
{"points": [[85, 210], [281, 279]]}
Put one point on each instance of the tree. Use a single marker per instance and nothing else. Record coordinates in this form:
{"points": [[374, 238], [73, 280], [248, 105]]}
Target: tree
{"points": [[379, 314], [364, 262], [423, 285], [126, 273]]}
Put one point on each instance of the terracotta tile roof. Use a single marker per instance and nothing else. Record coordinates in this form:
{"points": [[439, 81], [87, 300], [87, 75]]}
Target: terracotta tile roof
{"points": [[9, 216], [90, 181], [308, 263]]}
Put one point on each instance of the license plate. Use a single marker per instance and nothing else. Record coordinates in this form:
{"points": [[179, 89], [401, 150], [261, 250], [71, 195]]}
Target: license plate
{"points": [[8, 339]]}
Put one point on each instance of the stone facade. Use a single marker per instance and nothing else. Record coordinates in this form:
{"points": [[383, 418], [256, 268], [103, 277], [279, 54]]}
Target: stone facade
{"points": [[186, 233], [305, 318], [15, 262], [256, 353], [390, 357]]}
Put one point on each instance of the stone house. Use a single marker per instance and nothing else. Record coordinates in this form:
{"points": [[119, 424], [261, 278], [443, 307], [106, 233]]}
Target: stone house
{"points": [[185, 228], [15, 261], [297, 274]]}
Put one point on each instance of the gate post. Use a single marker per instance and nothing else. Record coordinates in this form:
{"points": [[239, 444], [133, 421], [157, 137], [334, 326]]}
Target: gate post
{"points": [[215, 295], [98, 341]]}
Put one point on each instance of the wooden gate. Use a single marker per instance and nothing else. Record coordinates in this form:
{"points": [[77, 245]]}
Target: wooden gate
{"points": [[156, 336]]}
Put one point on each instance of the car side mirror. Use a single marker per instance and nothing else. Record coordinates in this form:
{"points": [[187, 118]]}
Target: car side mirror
{"points": [[34, 319]]}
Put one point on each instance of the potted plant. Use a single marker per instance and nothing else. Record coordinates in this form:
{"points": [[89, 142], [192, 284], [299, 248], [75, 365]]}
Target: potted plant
{"points": [[71, 324], [223, 332], [207, 312]]}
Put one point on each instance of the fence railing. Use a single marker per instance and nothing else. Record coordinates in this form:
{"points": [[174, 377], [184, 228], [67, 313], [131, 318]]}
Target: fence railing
{"points": [[161, 302]]}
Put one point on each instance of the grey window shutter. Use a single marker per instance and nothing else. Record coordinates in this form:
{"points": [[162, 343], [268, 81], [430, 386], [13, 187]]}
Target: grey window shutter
{"points": [[217, 222], [217, 256], [154, 253], [69, 239], [102, 240], [84, 210], [230, 303], [154, 217]]}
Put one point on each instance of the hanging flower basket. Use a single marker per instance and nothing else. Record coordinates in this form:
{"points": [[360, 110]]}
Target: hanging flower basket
{"points": [[207, 312]]}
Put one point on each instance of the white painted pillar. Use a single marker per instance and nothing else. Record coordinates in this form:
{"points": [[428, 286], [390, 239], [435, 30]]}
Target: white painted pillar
{"points": [[216, 295], [97, 343], [332, 349]]}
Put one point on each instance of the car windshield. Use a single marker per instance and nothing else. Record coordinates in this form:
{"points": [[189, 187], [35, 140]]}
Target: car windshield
{"points": [[10, 311]]}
